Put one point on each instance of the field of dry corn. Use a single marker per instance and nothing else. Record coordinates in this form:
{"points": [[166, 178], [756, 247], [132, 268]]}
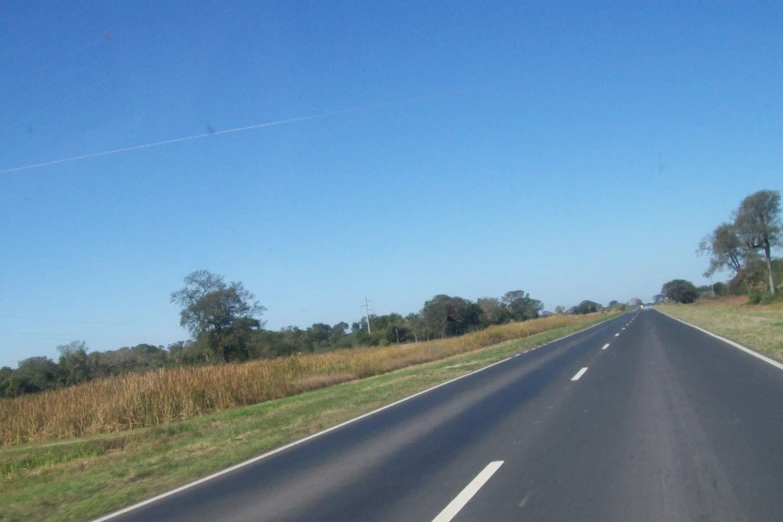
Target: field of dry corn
{"points": [[168, 395]]}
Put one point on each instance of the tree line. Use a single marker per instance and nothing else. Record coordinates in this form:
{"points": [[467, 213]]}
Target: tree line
{"points": [[226, 324], [742, 247]]}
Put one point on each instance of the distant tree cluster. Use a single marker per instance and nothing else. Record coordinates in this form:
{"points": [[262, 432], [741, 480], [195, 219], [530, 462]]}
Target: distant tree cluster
{"points": [[744, 247], [76, 364], [225, 323]]}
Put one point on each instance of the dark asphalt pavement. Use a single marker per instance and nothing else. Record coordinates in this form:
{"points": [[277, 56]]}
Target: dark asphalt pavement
{"points": [[665, 424]]}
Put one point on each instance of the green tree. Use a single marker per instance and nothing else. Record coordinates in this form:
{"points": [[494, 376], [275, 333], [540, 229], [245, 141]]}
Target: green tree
{"points": [[492, 310], [223, 315], [74, 364], [35, 374], [360, 332], [586, 307], [680, 291], [521, 306], [339, 336], [758, 226], [416, 326], [445, 316], [318, 336], [7, 388]]}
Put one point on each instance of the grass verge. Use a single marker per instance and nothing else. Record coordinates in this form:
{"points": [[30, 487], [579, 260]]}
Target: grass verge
{"points": [[756, 326], [80, 479]]}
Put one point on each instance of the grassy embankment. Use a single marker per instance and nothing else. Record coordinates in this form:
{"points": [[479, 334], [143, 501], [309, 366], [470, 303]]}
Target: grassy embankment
{"points": [[756, 326], [81, 478]]}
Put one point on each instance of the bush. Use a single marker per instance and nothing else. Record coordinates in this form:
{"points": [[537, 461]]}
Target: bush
{"points": [[680, 291], [761, 298]]}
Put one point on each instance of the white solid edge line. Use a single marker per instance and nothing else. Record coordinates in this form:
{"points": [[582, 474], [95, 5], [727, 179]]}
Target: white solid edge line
{"points": [[605, 346], [579, 374], [287, 446], [754, 353], [466, 494], [318, 434]]}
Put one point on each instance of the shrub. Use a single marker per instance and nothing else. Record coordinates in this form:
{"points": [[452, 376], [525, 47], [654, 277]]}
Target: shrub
{"points": [[761, 298]]}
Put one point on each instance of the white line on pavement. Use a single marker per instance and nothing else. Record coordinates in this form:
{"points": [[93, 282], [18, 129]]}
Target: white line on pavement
{"points": [[579, 374], [605, 346], [754, 353], [466, 494], [617, 335], [320, 433]]}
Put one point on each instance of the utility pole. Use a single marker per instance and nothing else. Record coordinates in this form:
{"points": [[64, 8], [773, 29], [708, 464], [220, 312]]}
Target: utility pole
{"points": [[367, 310]]}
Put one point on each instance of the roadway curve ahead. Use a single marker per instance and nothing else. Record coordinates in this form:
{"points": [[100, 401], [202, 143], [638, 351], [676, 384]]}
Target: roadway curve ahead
{"points": [[665, 424]]}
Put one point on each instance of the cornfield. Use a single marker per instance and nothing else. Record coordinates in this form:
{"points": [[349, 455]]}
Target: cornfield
{"points": [[168, 395]]}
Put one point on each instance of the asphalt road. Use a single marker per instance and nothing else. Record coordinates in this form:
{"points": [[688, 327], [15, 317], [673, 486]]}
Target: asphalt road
{"points": [[665, 424]]}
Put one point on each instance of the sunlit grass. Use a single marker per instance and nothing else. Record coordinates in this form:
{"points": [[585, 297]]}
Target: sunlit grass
{"points": [[169, 395], [81, 478], [757, 326]]}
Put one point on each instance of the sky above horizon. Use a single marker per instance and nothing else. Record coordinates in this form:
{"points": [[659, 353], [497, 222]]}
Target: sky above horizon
{"points": [[571, 150]]}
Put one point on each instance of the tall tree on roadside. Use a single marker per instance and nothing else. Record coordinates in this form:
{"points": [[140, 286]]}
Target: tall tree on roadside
{"points": [[758, 225], [446, 316], [416, 326], [724, 247], [521, 306], [222, 315], [74, 364], [492, 310], [680, 291]]}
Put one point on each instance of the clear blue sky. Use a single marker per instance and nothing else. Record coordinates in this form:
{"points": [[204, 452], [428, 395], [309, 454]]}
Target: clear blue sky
{"points": [[574, 150]]}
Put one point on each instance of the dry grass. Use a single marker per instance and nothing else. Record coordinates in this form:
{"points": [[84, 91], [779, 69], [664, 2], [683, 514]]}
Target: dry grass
{"points": [[169, 395], [757, 326]]}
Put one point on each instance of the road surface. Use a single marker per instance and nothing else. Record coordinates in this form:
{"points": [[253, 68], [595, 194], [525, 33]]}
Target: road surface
{"points": [[639, 418]]}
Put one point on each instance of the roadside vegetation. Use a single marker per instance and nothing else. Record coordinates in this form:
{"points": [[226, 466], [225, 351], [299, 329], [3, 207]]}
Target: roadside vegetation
{"points": [[82, 478], [744, 248], [226, 325], [756, 326], [169, 395], [748, 307]]}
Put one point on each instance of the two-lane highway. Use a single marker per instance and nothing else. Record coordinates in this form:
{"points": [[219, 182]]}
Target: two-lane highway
{"points": [[639, 418]]}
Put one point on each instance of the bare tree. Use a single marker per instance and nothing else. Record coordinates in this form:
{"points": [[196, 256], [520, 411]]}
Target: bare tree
{"points": [[724, 247]]}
